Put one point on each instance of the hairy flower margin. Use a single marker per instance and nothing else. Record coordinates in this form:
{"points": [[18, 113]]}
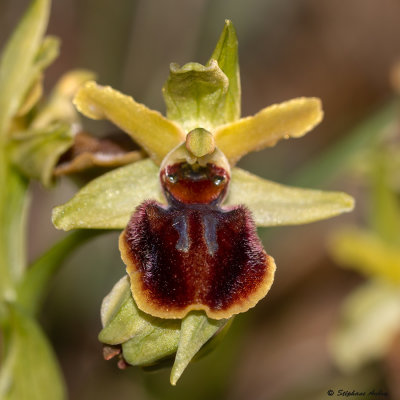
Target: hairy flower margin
{"points": [[197, 96]]}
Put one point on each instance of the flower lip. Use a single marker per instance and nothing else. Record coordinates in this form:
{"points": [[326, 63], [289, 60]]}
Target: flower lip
{"points": [[194, 184]]}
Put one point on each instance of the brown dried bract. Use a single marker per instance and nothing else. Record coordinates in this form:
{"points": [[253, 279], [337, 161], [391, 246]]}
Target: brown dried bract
{"points": [[89, 152]]}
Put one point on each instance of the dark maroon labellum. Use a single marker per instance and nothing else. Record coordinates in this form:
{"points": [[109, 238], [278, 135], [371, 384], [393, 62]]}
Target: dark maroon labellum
{"points": [[194, 254]]}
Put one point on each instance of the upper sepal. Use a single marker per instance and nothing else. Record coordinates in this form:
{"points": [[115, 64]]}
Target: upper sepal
{"points": [[194, 95], [226, 55], [199, 96]]}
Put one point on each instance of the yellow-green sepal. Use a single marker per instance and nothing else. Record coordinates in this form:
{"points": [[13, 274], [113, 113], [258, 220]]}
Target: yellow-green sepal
{"points": [[108, 202], [273, 204]]}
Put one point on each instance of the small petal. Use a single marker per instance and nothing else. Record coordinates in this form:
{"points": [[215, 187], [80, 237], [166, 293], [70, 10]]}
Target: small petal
{"points": [[293, 118], [107, 202], [148, 128], [369, 322], [273, 204], [367, 253], [196, 330]]}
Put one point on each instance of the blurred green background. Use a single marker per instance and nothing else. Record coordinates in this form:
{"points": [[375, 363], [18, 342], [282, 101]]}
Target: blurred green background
{"points": [[341, 52]]}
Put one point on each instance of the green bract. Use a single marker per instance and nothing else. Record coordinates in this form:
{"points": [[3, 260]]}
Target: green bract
{"points": [[203, 110], [36, 147], [145, 339]]}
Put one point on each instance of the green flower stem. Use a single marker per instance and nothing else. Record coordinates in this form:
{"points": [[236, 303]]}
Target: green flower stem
{"points": [[13, 216], [16, 75], [32, 288], [335, 160]]}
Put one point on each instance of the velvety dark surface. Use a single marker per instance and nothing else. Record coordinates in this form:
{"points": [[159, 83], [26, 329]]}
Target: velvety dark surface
{"points": [[195, 254]]}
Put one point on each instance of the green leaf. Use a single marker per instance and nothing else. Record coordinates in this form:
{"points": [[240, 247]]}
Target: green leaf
{"points": [[36, 154], [196, 330], [108, 201], [30, 370], [148, 128], [32, 288], [18, 61], [226, 54], [366, 253], [293, 118], [194, 95], [369, 322], [273, 204]]}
